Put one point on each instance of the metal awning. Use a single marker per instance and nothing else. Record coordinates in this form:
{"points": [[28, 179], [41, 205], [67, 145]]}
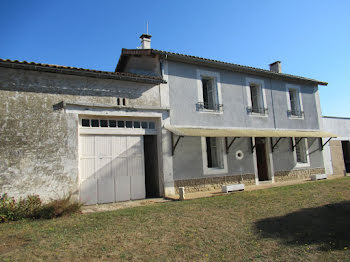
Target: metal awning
{"points": [[240, 132]]}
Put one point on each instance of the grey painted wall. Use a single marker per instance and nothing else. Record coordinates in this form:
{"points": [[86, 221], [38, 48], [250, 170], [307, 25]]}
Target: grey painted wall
{"points": [[188, 162], [284, 159], [337, 125], [184, 96], [39, 146]]}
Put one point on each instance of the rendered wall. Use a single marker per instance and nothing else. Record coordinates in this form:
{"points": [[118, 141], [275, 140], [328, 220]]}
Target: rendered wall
{"points": [[38, 145], [184, 96]]}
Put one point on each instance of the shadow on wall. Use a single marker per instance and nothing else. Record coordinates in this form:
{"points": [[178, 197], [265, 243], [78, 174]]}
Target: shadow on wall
{"points": [[326, 226]]}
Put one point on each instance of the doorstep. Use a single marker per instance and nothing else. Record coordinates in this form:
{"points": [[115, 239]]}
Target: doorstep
{"points": [[122, 205]]}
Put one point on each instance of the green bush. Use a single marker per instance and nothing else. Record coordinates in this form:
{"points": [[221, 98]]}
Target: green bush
{"points": [[32, 207]]}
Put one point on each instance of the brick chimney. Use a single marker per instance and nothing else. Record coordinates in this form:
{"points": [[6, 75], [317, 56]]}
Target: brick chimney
{"points": [[145, 41], [276, 67]]}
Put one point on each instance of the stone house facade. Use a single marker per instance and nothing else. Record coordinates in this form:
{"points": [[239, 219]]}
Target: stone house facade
{"points": [[159, 122]]}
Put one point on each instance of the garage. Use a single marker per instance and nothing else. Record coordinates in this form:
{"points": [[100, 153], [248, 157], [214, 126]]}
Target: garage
{"points": [[112, 168]]}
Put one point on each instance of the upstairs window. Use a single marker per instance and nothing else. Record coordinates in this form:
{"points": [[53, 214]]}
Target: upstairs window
{"points": [[294, 102], [256, 97], [210, 93]]}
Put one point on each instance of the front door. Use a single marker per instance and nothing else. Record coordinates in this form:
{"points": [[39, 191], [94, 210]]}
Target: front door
{"points": [[261, 159]]}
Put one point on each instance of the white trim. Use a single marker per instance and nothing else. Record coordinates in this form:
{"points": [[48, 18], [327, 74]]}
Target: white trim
{"points": [[117, 131], [112, 112], [255, 162], [216, 76], [164, 88], [297, 164], [289, 107], [261, 84], [242, 128], [213, 171], [269, 160]]}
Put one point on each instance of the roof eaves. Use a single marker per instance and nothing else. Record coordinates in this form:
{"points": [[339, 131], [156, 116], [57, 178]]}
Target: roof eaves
{"points": [[79, 71]]}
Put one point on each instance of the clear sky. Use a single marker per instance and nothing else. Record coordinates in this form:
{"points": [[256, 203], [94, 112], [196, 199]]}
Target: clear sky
{"points": [[311, 38]]}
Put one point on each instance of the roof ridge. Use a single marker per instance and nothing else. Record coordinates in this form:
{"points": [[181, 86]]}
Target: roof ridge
{"points": [[261, 70]]}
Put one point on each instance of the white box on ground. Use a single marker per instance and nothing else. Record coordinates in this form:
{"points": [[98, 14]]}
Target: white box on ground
{"points": [[232, 188], [318, 177]]}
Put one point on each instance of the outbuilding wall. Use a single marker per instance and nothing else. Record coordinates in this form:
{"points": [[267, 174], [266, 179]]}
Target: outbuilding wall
{"points": [[39, 145]]}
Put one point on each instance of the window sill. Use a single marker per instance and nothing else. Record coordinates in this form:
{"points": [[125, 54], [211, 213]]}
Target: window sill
{"points": [[206, 111], [296, 117], [258, 115], [302, 165], [214, 171]]}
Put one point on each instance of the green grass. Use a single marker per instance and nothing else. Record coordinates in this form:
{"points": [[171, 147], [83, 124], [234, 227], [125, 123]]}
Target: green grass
{"points": [[309, 222]]}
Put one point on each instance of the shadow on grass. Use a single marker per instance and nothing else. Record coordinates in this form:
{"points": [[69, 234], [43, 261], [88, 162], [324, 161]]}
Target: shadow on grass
{"points": [[326, 226]]}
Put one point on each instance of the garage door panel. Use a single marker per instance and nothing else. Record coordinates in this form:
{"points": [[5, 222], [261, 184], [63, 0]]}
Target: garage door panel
{"points": [[87, 168], [87, 146], [119, 146], [120, 166], [135, 166], [112, 168], [88, 191], [122, 188], [134, 144], [138, 190], [103, 167], [103, 145], [105, 189]]}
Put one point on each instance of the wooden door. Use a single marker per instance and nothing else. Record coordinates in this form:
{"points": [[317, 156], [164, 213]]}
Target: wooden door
{"points": [[261, 158]]}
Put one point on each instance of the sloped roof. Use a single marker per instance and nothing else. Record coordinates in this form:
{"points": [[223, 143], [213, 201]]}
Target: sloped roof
{"points": [[79, 71], [217, 64]]}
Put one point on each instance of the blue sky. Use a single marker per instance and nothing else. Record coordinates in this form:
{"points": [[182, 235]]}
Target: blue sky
{"points": [[311, 38]]}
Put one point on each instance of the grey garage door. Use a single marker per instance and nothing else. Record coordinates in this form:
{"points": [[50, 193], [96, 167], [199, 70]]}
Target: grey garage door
{"points": [[111, 168]]}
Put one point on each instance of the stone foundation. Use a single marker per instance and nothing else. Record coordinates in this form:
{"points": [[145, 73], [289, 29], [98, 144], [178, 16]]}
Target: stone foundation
{"points": [[212, 183], [297, 174]]}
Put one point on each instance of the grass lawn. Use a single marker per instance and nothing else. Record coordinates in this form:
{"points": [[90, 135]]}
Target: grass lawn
{"points": [[309, 222]]}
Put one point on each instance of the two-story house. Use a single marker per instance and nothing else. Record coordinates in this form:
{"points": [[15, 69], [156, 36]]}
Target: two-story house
{"points": [[159, 122], [231, 123]]}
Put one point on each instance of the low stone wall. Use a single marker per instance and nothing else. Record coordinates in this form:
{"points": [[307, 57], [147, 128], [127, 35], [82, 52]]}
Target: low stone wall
{"points": [[213, 183], [296, 174]]}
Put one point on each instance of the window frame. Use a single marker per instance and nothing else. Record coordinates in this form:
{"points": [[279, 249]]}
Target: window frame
{"points": [[220, 147], [289, 106], [305, 144], [259, 83], [215, 77]]}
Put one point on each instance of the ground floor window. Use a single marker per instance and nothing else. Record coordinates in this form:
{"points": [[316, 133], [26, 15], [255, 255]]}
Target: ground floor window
{"points": [[214, 157], [301, 151]]}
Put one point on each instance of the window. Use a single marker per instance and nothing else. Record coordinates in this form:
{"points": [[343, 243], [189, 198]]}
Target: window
{"points": [[214, 157], [301, 152], [256, 97], [113, 123], [294, 102], [209, 92]]}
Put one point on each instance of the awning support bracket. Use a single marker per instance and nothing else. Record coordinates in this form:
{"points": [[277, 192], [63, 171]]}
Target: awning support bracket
{"points": [[173, 147], [321, 142], [228, 146], [274, 145], [251, 143], [294, 145]]}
